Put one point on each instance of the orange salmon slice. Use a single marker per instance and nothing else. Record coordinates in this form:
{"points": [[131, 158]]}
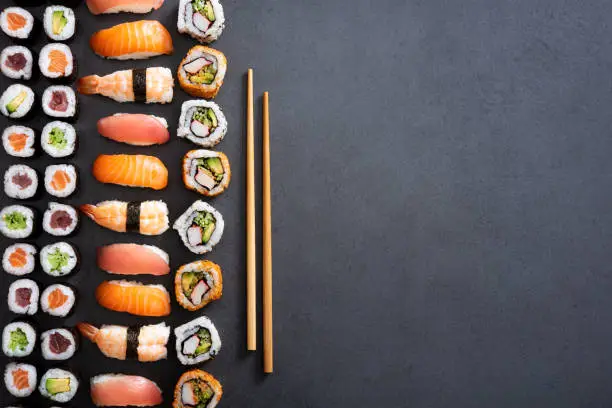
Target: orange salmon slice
{"points": [[57, 298], [57, 62], [15, 21], [60, 180], [18, 258], [21, 379], [18, 141]]}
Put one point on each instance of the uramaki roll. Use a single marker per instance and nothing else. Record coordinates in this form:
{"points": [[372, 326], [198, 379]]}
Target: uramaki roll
{"points": [[202, 71], [197, 387], [206, 172], [198, 283]]}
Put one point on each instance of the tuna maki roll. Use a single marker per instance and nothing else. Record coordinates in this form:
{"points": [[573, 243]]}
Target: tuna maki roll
{"points": [[23, 297], [16, 221], [60, 220], [58, 259], [200, 227], [202, 71], [19, 259], [58, 139], [18, 339], [202, 19], [202, 122], [16, 62], [58, 385], [206, 172], [18, 141], [60, 180], [16, 22], [57, 300], [20, 379], [197, 284], [197, 388], [16, 101], [59, 23], [56, 61], [20, 182], [59, 101], [58, 344]]}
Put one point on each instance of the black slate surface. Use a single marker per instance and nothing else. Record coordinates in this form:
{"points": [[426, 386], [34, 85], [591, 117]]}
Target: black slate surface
{"points": [[441, 203]]}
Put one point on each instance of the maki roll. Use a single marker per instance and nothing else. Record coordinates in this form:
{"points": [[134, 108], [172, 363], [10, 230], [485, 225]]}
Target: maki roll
{"points": [[60, 220], [197, 341], [202, 71], [60, 180], [202, 19], [16, 62], [58, 259], [202, 122], [58, 139], [57, 300], [197, 284], [18, 141], [197, 388], [200, 227], [20, 182], [58, 344], [16, 101], [20, 379], [56, 61], [16, 221], [206, 172], [19, 259], [16, 22], [59, 23], [58, 385], [18, 339], [23, 297], [59, 101]]}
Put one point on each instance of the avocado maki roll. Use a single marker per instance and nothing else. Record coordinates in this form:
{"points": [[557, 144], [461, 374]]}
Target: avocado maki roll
{"points": [[200, 227], [18, 339], [58, 385], [58, 139], [202, 71], [58, 259], [197, 388], [16, 221], [198, 283], [23, 297], [203, 20], [20, 379], [16, 101], [16, 62], [59, 23], [202, 122], [20, 182]]}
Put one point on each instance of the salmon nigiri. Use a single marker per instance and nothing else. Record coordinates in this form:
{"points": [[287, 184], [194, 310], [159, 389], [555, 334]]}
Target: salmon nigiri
{"points": [[117, 6], [131, 171], [146, 217], [135, 129], [133, 259], [134, 298], [134, 40], [119, 390]]}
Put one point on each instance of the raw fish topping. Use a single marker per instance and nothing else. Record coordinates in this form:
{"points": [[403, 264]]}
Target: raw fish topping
{"points": [[23, 296], [58, 344], [59, 101], [61, 219], [16, 61], [22, 180]]}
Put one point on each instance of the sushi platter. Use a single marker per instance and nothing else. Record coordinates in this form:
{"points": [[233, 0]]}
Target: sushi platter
{"points": [[117, 166]]}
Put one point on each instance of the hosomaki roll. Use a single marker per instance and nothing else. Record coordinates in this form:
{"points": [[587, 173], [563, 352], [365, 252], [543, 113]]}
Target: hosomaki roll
{"points": [[23, 295], [20, 379], [198, 283], [202, 71], [20, 182], [18, 141], [16, 62], [58, 385], [197, 388], [206, 172], [16, 221], [16, 102]]}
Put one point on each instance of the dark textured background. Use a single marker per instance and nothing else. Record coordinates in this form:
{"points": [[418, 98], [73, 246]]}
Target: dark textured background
{"points": [[442, 221]]}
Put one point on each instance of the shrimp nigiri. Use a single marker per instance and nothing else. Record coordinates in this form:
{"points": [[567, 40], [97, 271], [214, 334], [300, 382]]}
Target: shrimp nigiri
{"points": [[146, 217]]}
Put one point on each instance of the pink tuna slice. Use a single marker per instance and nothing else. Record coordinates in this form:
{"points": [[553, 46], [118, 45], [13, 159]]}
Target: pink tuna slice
{"points": [[194, 235], [187, 395], [135, 129], [199, 129], [200, 22], [198, 292], [196, 65], [190, 345], [204, 179]]}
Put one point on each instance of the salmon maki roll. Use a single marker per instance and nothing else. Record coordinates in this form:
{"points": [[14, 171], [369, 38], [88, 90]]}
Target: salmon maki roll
{"points": [[18, 141], [16, 22], [20, 379], [131, 171], [135, 40], [56, 61], [135, 129], [119, 390], [134, 298], [146, 217], [197, 388], [117, 6], [133, 259], [19, 259], [202, 71], [57, 300], [61, 180]]}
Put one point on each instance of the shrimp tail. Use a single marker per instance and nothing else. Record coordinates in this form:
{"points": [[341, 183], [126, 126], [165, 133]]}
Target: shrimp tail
{"points": [[89, 331], [89, 210], [89, 85]]}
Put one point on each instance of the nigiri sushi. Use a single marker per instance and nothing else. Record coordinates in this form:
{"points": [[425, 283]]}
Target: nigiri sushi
{"points": [[150, 85], [119, 390], [135, 129], [146, 217], [118, 6], [133, 259], [134, 298], [147, 343], [131, 171], [135, 40]]}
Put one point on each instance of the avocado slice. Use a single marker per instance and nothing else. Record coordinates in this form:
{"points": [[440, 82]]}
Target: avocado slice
{"points": [[215, 165], [208, 12], [208, 231], [188, 281], [58, 22], [16, 102], [57, 385], [213, 118]]}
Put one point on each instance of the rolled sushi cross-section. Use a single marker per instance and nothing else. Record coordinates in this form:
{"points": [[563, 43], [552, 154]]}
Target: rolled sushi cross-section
{"points": [[202, 71], [16, 101], [18, 339], [198, 283], [16, 62], [58, 344], [133, 40], [60, 219], [20, 379], [133, 259], [146, 217], [206, 172], [131, 171], [58, 139], [202, 19], [57, 300], [134, 298], [135, 129], [19, 259], [202, 122], [197, 388], [59, 22], [61, 180], [145, 343], [16, 221], [23, 295], [20, 182], [59, 101], [18, 141], [16, 22], [120, 390], [200, 227], [56, 61], [58, 259], [58, 385], [197, 341]]}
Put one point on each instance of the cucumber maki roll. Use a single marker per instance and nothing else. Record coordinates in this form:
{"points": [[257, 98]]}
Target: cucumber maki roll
{"points": [[202, 122], [16, 221], [16, 62], [16, 101], [58, 259], [19, 259], [202, 71], [23, 297], [59, 23], [18, 141], [197, 284], [58, 385], [200, 227], [20, 182], [197, 388], [206, 172], [60, 220], [58, 139], [18, 339], [16, 22], [20, 379], [197, 341], [203, 20]]}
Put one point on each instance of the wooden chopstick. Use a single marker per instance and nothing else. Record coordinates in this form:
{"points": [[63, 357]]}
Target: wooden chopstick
{"points": [[250, 222], [268, 351]]}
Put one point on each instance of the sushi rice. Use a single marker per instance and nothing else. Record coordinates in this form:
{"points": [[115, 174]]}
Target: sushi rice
{"points": [[12, 259], [16, 62], [15, 371], [197, 341], [20, 182], [58, 139], [59, 101], [203, 20], [58, 259], [16, 101], [60, 220], [202, 122], [16, 221], [58, 385], [200, 227], [64, 306], [69, 171], [59, 23], [18, 339], [58, 344], [18, 141], [23, 297], [21, 33]]}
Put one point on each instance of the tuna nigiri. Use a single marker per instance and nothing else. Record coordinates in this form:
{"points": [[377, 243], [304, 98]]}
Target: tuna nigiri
{"points": [[131, 170], [135, 129], [133, 259], [146, 217], [134, 298], [119, 390], [117, 6], [147, 343], [135, 40], [150, 85]]}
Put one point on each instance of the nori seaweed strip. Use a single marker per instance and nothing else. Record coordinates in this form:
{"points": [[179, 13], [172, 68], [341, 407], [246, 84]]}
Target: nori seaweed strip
{"points": [[132, 219], [139, 84], [131, 350]]}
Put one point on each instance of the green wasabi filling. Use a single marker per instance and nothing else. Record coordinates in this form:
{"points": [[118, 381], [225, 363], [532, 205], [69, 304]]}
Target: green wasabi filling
{"points": [[18, 340], [58, 260], [57, 138], [203, 392], [205, 76], [205, 8], [15, 221]]}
